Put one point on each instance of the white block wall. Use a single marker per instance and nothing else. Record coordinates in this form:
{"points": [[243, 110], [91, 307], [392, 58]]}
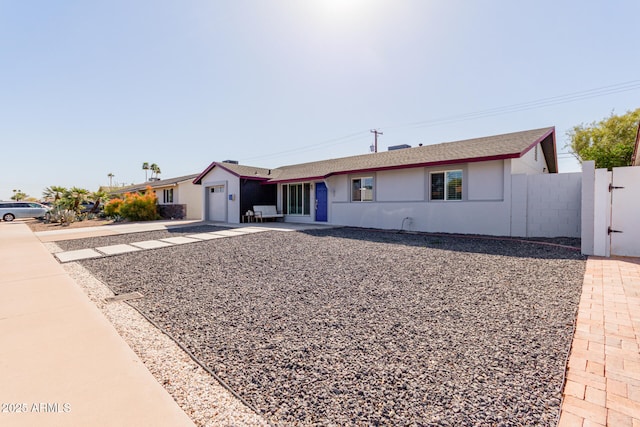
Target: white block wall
{"points": [[553, 205]]}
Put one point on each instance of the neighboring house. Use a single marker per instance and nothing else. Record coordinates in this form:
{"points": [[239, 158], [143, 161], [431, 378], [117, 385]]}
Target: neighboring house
{"points": [[454, 187], [230, 190], [176, 196]]}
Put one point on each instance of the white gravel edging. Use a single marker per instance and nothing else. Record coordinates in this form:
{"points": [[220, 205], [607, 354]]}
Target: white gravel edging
{"points": [[205, 401]]}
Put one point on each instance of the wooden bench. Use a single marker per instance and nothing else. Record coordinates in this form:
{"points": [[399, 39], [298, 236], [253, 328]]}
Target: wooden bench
{"points": [[263, 212]]}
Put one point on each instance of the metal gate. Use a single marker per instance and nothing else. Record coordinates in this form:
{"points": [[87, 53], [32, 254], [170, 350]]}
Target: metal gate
{"points": [[624, 230]]}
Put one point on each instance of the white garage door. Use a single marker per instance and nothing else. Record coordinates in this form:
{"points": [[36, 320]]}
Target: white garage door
{"points": [[217, 203]]}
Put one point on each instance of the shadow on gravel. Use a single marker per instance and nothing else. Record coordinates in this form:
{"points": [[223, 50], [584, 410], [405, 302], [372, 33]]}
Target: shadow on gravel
{"points": [[543, 248]]}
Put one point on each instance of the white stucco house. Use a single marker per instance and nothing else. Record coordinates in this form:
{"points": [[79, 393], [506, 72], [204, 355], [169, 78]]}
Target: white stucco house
{"points": [[475, 186], [177, 197]]}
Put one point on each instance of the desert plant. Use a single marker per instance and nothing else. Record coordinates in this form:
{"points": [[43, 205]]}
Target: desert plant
{"points": [[61, 215], [140, 207], [112, 207]]}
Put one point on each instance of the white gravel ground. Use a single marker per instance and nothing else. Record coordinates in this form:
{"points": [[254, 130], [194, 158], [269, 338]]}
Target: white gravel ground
{"points": [[361, 327]]}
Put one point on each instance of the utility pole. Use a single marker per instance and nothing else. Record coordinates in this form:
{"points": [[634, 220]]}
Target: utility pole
{"points": [[375, 132]]}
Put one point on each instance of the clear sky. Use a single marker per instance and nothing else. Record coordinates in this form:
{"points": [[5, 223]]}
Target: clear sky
{"points": [[89, 88]]}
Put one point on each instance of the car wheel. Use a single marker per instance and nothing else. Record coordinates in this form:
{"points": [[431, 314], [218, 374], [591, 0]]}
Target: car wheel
{"points": [[9, 217]]}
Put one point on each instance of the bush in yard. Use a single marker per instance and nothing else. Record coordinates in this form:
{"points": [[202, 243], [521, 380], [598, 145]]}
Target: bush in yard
{"points": [[112, 207], [61, 215], [140, 207]]}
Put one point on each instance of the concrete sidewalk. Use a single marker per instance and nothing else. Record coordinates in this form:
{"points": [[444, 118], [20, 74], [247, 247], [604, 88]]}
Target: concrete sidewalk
{"points": [[61, 362], [112, 229]]}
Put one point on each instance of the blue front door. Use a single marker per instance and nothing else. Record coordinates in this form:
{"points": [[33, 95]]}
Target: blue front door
{"points": [[321, 202]]}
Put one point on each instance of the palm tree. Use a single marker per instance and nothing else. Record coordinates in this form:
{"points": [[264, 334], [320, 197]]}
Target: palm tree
{"points": [[54, 192], [98, 197], [76, 196], [145, 168], [111, 175], [155, 169], [18, 195]]}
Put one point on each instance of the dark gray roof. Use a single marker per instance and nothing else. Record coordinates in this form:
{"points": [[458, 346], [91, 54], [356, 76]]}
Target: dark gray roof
{"points": [[242, 171], [511, 145], [154, 184], [505, 146], [247, 171]]}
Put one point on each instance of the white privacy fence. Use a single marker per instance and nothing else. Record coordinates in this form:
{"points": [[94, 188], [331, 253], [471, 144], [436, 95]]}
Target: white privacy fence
{"points": [[610, 211], [546, 205]]}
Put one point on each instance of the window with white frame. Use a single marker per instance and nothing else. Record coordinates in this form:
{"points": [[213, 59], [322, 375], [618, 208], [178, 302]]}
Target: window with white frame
{"points": [[167, 195], [362, 189], [446, 185], [296, 199]]}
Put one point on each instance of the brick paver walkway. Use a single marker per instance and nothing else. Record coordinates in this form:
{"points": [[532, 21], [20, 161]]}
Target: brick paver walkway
{"points": [[603, 375]]}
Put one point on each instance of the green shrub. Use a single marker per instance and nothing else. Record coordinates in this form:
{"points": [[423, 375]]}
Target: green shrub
{"points": [[134, 207], [112, 208], [140, 207]]}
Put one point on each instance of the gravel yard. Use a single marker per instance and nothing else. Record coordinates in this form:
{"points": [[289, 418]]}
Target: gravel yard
{"points": [[353, 327]]}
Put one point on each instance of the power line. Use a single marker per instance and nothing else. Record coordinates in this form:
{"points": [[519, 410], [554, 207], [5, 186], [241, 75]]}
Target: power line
{"points": [[491, 112], [529, 105], [327, 143]]}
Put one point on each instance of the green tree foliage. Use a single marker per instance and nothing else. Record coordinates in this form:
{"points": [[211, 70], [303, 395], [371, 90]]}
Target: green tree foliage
{"points": [[72, 198], [609, 142], [145, 168], [98, 197], [19, 195], [155, 170], [53, 193]]}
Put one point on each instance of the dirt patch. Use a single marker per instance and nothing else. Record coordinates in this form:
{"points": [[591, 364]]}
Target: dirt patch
{"points": [[38, 225]]}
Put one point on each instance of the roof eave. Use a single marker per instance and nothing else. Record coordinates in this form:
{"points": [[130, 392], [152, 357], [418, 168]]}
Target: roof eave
{"points": [[403, 166], [253, 178], [198, 180], [548, 149]]}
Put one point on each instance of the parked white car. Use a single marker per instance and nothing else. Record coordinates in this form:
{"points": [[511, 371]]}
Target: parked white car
{"points": [[12, 210]]}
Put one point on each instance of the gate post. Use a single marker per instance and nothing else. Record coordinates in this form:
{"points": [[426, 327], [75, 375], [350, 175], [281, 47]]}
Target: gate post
{"points": [[596, 210], [588, 207]]}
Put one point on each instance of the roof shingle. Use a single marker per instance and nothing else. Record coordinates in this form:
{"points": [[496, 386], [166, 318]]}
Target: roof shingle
{"points": [[510, 145]]}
